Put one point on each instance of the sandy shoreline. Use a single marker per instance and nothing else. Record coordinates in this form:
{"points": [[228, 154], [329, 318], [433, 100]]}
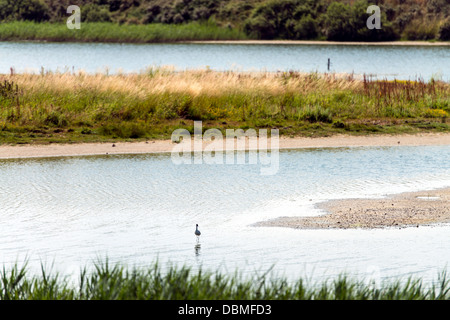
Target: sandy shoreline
{"points": [[315, 42], [412, 209], [164, 146]]}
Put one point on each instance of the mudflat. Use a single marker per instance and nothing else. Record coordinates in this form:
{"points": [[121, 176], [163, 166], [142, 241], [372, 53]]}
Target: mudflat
{"points": [[412, 209]]}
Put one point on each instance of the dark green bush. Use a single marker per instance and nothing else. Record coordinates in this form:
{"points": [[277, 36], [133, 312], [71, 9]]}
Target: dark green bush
{"points": [[444, 31], [306, 28], [31, 10], [348, 23], [282, 19], [422, 30], [95, 13], [338, 25]]}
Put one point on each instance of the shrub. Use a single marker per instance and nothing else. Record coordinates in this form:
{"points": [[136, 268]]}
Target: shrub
{"points": [[95, 13], [32, 10], [306, 28], [444, 31], [338, 22], [114, 5], [278, 19], [419, 30], [348, 23]]}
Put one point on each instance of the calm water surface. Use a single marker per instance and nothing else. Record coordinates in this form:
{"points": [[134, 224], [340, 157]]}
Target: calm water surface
{"points": [[401, 62], [139, 208]]}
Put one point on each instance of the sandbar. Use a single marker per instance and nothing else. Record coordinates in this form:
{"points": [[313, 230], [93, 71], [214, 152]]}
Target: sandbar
{"points": [[167, 146], [411, 209]]}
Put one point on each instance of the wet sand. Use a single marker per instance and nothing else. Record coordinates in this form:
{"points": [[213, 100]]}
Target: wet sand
{"points": [[161, 146], [411, 209]]}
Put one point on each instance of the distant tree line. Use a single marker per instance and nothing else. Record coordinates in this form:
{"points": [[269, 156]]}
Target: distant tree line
{"points": [[261, 19]]}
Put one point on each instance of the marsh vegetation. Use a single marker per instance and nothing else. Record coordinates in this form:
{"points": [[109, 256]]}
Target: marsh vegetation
{"points": [[71, 107], [106, 281]]}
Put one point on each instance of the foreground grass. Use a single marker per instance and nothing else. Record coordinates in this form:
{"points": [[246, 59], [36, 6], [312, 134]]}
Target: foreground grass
{"points": [[111, 32], [115, 282], [65, 107]]}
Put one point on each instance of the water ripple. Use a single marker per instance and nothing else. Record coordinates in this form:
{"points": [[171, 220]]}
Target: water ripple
{"points": [[143, 207]]}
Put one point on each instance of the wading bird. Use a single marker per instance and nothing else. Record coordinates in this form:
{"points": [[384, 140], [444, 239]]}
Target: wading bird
{"points": [[197, 232]]}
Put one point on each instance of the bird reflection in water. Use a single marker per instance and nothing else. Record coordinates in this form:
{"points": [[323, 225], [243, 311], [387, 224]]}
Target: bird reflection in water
{"points": [[197, 248], [197, 245]]}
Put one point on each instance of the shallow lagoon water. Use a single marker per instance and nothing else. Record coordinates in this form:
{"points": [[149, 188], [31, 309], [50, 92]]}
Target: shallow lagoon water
{"points": [[135, 209], [387, 61]]}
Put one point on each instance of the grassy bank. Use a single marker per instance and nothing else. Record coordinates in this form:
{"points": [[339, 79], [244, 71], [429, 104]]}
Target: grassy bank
{"points": [[115, 282], [65, 107], [110, 32]]}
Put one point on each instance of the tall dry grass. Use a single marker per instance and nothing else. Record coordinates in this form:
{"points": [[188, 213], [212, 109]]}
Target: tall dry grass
{"points": [[192, 82]]}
